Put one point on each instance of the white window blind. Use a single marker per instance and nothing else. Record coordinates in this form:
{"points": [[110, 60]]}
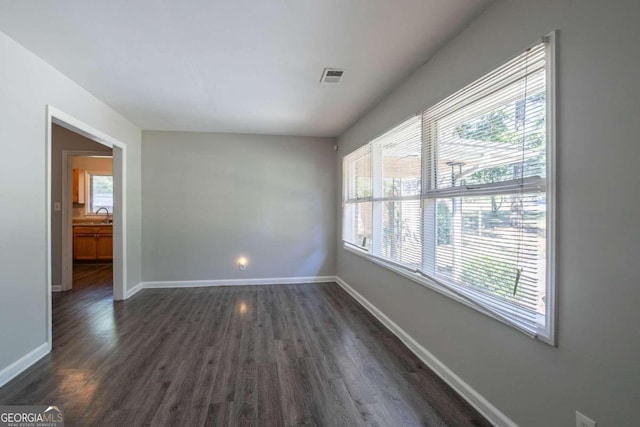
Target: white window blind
{"points": [[485, 198], [357, 212], [397, 170], [458, 194]]}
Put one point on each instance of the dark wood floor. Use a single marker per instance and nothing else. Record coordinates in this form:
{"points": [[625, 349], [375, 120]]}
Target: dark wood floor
{"points": [[254, 355], [97, 276]]}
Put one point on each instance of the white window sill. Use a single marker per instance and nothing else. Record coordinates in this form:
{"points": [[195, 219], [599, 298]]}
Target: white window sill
{"points": [[430, 284]]}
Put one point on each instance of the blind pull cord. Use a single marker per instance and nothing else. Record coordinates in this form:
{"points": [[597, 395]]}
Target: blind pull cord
{"points": [[515, 285]]}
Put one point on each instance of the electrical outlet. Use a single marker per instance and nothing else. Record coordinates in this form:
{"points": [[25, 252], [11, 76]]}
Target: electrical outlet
{"points": [[584, 421]]}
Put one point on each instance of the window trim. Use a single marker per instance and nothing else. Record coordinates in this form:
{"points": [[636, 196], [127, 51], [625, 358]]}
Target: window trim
{"points": [[547, 335], [552, 305]]}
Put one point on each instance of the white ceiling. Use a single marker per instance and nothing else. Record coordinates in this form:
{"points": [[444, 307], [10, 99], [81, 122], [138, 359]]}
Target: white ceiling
{"points": [[247, 66]]}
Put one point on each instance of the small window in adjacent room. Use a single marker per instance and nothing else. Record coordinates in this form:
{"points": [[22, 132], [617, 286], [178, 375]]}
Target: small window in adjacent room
{"points": [[100, 192], [460, 197]]}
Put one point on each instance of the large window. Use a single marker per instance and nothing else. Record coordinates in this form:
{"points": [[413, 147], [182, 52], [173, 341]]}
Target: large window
{"points": [[459, 196]]}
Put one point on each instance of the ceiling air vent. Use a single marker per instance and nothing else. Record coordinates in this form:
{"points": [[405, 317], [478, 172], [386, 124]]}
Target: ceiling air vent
{"points": [[331, 75]]}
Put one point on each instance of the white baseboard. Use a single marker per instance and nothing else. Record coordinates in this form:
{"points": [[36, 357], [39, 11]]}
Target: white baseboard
{"points": [[482, 405], [228, 282], [56, 288], [131, 292], [13, 370]]}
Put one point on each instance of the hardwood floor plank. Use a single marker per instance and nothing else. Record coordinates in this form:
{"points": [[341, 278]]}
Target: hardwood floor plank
{"points": [[278, 355], [218, 414], [246, 399], [269, 399]]}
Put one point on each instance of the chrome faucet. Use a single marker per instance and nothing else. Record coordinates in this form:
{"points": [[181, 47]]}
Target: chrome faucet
{"points": [[107, 219]]}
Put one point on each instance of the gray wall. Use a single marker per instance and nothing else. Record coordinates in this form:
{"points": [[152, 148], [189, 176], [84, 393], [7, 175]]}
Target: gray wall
{"points": [[209, 198], [63, 139], [27, 85], [596, 367]]}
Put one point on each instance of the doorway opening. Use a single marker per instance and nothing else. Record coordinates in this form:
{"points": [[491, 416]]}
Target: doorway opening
{"points": [[86, 209], [91, 204]]}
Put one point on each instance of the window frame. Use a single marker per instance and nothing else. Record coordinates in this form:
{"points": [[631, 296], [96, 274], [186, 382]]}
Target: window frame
{"points": [[466, 295], [89, 190]]}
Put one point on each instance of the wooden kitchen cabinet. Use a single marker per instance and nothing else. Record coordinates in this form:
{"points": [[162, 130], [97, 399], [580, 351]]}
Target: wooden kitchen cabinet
{"points": [[92, 243], [84, 247], [79, 190], [104, 247]]}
